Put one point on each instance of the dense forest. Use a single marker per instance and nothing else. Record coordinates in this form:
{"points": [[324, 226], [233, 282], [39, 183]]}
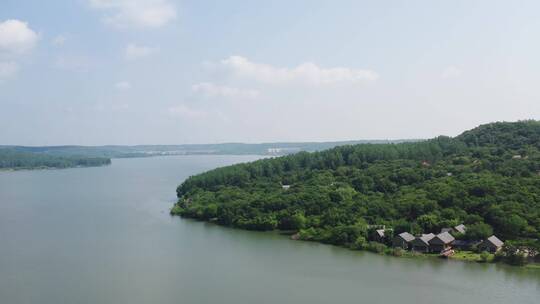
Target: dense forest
{"points": [[14, 159], [487, 178]]}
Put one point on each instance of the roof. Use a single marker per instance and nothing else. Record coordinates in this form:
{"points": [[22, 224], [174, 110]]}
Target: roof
{"points": [[446, 230], [495, 241], [406, 236], [425, 238], [445, 237], [460, 228], [380, 232]]}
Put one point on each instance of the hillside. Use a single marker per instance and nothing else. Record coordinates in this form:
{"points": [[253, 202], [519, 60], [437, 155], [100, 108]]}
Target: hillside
{"points": [[15, 159], [487, 178]]}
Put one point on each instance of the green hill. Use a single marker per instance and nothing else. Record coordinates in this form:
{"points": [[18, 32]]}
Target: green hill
{"points": [[487, 178], [15, 159]]}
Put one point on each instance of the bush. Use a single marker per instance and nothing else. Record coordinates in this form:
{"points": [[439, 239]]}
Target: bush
{"points": [[376, 247], [484, 256], [359, 243], [344, 235], [294, 222], [398, 251], [176, 210], [260, 223], [308, 234]]}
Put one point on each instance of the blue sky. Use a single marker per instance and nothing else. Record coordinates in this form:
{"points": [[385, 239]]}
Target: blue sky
{"points": [[168, 71]]}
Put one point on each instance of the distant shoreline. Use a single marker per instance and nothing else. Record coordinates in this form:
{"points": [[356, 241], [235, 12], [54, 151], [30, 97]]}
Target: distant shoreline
{"points": [[43, 168]]}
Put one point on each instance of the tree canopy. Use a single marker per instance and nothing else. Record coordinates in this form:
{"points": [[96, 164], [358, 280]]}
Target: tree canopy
{"points": [[14, 159], [487, 178]]}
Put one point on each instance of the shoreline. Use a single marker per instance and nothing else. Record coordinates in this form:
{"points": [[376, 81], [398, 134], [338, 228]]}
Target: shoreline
{"points": [[462, 255], [48, 168]]}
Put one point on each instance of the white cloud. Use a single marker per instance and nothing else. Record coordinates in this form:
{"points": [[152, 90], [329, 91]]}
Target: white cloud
{"points": [[123, 85], [59, 40], [185, 112], [136, 13], [306, 73], [451, 72], [8, 69], [73, 62], [213, 90], [16, 37], [134, 51]]}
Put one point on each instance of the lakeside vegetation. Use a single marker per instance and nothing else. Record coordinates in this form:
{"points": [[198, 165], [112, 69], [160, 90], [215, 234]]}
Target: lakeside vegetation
{"points": [[16, 160], [487, 178]]}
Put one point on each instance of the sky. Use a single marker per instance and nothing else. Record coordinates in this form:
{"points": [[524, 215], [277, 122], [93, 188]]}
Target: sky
{"points": [[95, 72]]}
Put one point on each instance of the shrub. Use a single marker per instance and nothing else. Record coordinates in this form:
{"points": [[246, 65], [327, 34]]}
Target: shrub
{"points": [[484, 256], [398, 251], [176, 210], [294, 222], [359, 243], [376, 247], [307, 234]]}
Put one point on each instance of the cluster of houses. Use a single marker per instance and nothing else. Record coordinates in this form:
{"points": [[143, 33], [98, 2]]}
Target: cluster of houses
{"points": [[442, 243]]}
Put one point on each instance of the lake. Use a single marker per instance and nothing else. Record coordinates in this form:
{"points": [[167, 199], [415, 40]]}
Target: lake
{"points": [[104, 235]]}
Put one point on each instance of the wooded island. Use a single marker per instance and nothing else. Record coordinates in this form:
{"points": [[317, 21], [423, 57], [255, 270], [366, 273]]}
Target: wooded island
{"points": [[487, 179]]}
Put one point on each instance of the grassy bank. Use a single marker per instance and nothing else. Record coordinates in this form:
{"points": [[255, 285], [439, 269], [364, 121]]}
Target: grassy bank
{"points": [[470, 256]]}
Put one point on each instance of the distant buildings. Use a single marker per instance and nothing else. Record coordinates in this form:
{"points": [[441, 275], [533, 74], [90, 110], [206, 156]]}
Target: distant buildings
{"points": [[491, 244], [460, 228], [421, 243], [403, 240], [379, 235], [282, 151], [447, 230], [443, 242]]}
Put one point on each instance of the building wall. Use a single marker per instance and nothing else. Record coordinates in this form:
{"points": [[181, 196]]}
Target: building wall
{"points": [[420, 247], [399, 242], [437, 247]]}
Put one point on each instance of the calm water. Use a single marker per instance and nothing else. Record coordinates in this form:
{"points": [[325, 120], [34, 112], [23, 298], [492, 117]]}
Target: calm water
{"points": [[103, 235]]}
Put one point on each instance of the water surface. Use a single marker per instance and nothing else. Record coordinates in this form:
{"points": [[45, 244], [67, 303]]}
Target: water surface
{"points": [[104, 235]]}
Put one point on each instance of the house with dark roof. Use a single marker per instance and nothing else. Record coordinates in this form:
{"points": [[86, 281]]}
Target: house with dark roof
{"points": [[402, 240], [491, 244], [379, 235], [457, 229], [460, 228], [441, 242], [421, 243], [450, 230]]}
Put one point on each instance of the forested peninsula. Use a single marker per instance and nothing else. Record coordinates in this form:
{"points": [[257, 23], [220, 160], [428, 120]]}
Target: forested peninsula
{"points": [[487, 178], [12, 159]]}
